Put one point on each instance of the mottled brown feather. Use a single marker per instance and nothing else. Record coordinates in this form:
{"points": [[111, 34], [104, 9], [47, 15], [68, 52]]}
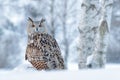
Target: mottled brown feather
{"points": [[44, 52]]}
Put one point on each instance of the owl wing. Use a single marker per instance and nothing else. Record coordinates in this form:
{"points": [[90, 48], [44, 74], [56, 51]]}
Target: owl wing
{"points": [[54, 49], [28, 52], [26, 57]]}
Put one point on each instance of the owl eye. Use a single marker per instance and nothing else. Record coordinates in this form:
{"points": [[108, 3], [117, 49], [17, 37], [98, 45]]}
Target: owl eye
{"points": [[40, 26], [33, 25]]}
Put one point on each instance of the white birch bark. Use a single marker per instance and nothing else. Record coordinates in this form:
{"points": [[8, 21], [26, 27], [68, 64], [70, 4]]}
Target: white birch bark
{"points": [[99, 56], [87, 28]]}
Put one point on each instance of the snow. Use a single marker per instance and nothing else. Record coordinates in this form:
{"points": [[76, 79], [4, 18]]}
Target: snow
{"points": [[111, 72], [89, 59]]}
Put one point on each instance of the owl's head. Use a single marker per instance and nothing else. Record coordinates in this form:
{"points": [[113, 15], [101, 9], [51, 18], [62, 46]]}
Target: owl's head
{"points": [[36, 26]]}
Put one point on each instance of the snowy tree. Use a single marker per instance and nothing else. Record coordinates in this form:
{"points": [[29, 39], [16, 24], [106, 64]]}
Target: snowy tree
{"points": [[99, 56], [88, 28], [113, 51], [93, 33], [65, 42]]}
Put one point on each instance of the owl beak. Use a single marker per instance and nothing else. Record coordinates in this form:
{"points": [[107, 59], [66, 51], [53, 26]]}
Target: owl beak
{"points": [[36, 29]]}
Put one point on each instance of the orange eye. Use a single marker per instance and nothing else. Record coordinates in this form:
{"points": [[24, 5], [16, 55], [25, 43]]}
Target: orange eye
{"points": [[33, 25]]}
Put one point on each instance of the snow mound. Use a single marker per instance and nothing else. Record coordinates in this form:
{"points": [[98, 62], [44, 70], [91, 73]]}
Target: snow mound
{"points": [[111, 72]]}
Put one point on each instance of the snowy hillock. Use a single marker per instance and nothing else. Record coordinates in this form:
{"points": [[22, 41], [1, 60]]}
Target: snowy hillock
{"points": [[111, 72]]}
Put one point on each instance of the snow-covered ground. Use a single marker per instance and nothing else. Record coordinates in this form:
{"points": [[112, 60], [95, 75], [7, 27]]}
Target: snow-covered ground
{"points": [[111, 72]]}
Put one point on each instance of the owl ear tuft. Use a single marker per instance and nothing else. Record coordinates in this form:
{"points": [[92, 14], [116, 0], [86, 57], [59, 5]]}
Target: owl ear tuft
{"points": [[42, 20], [29, 19]]}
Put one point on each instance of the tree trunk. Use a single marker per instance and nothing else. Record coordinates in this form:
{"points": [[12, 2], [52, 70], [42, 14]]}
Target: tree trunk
{"points": [[65, 33], [99, 56], [87, 28], [52, 18]]}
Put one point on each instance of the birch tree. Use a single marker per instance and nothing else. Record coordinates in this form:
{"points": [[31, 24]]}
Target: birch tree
{"points": [[66, 44], [87, 28], [99, 56]]}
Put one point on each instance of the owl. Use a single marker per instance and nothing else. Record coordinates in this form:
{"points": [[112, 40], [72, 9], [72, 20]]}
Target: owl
{"points": [[42, 49]]}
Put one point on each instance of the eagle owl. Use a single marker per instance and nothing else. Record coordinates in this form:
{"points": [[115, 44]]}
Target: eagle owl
{"points": [[42, 49]]}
